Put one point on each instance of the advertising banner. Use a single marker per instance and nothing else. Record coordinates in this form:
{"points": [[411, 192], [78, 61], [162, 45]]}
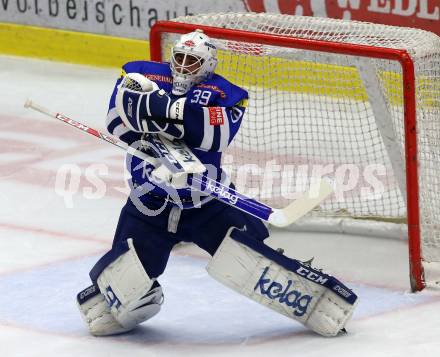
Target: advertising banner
{"points": [[121, 18], [423, 14], [134, 18]]}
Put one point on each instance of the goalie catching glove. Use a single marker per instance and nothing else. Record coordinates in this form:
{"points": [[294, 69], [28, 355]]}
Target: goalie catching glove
{"points": [[143, 107]]}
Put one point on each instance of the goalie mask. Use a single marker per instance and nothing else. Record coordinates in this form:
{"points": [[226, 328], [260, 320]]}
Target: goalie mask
{"points": [[193, 59]]}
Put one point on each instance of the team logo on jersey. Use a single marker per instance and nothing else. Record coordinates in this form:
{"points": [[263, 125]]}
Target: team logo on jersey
{"points": [[216, 116], [286, 295]]}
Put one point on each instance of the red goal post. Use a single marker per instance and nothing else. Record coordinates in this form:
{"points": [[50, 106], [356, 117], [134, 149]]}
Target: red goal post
{"points": [[399, 55]]}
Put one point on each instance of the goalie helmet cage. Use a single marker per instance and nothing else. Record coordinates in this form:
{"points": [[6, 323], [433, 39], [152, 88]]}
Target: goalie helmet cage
{"points": [[355, 100]]}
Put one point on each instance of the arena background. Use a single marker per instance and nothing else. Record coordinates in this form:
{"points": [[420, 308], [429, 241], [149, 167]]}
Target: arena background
{"points": [[112, 32]]}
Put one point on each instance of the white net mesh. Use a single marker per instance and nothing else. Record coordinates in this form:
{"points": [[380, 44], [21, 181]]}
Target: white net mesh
{"points": [[313, 113]]}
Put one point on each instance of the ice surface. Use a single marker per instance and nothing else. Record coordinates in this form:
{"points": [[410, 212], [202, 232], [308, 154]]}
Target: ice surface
{"points": [[49, 242]]}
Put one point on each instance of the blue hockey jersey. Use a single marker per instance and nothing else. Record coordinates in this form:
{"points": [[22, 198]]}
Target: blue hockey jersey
{"points": [[212, 116]]}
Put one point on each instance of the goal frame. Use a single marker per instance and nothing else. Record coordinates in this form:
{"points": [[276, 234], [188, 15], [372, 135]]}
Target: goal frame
{"points": [[416, 273]]}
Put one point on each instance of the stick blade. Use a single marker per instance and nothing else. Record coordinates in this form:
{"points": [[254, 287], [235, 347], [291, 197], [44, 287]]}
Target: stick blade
{"points": [[301, 206]]}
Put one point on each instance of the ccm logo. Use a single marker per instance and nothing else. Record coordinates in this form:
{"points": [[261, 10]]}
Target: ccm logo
{"points": [[311, 275]]}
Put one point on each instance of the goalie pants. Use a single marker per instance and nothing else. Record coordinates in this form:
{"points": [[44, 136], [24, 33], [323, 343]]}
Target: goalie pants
{"points": [[205, 226]]}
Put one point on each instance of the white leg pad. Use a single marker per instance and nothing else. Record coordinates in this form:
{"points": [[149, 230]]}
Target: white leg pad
{"points": [[294, 289], [132, 297]]}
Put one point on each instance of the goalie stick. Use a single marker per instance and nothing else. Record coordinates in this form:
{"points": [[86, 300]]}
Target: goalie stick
{"points": [[278, 217], [164, 148]]}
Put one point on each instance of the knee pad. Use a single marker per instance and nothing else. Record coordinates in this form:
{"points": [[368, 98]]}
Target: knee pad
{"points": [[288, 286], [131, 296]]}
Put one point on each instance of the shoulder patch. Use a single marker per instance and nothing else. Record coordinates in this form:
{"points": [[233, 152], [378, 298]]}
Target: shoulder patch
{"points": [[216, 116]]}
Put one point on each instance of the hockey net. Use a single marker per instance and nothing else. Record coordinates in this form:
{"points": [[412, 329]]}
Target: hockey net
{"points": [[358, 102]]}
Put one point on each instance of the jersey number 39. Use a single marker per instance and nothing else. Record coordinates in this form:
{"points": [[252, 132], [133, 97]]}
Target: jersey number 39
{"points": [[201, 97]]}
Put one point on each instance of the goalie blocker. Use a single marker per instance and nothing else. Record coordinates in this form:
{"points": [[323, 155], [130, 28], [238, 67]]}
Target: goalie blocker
{"points": [[294, 289]]}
